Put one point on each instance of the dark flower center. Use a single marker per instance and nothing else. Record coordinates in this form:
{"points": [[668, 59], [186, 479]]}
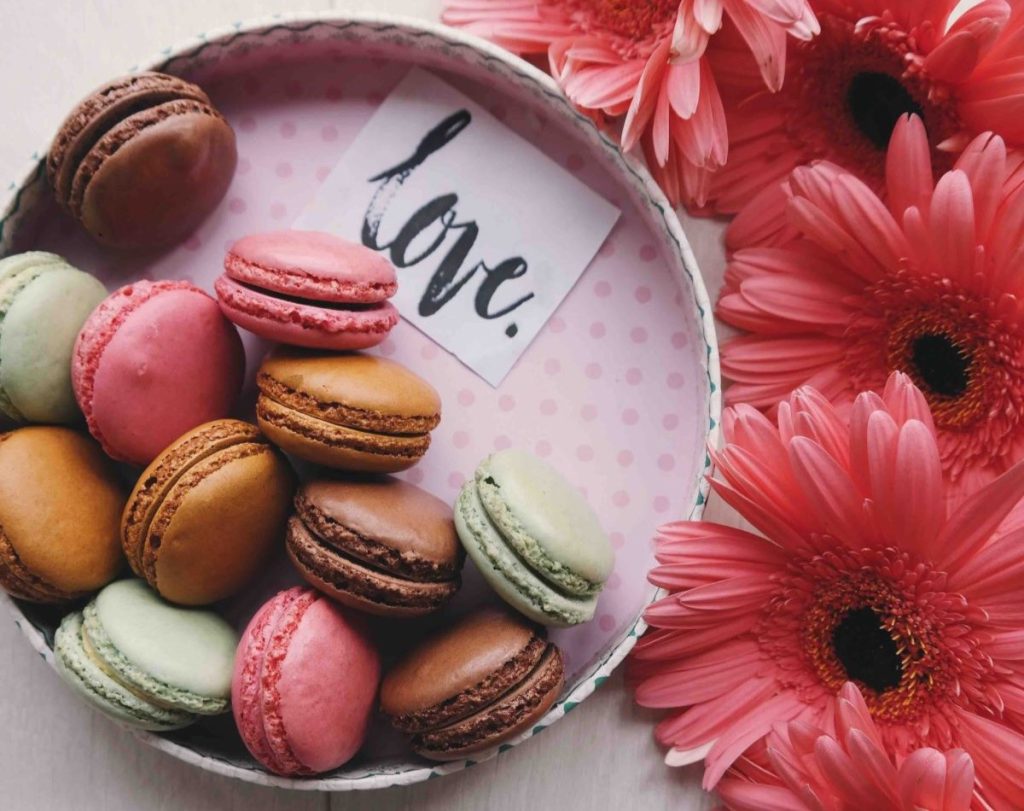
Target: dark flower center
{"points": [[867, 651], [941, 364], [876, 101]]}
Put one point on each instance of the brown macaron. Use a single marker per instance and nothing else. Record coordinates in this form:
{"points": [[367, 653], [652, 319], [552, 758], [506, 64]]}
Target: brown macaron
{"points": [[60, 501], [350, 412], [382, 546], [205, 515], [474, 685], [142, 160]]}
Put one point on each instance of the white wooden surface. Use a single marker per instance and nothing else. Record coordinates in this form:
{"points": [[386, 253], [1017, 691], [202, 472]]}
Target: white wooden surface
{"points": [[57, 754]]}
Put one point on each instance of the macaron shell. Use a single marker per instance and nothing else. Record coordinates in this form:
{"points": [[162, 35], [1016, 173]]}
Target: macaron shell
{"points": [[516, 712], [540, 512], [328, 682], [37, 339], [90, 682], [355, 585], [304, 324], [219, 523], [101, 110], [171, 364], [510, 578], [186, 649], [416, 526], [181, 154], [60, 504], [357, 391], [247, 679], [336, 446], [312, 265], [455, 660]]}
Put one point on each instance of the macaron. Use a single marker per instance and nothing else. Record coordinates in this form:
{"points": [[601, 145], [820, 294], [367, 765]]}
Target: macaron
{"points": [[43, 303], [382, 546], [142, 161], [205, 515], [473, 686], [349, 412], [60, 502], [144, 662], [308, 288], [154, 360], [534, 538], [305, 679]]}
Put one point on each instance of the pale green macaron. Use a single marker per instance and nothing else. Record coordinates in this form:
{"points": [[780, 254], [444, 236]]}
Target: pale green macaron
{"points": [[144, 661], [43, 303], [534, 538]]}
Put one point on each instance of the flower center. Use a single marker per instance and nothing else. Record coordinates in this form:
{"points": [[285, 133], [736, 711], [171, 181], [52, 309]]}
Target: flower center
{"points": [[867, 651], [876, 101], [846, 89], [941, 364], [628, 18]]}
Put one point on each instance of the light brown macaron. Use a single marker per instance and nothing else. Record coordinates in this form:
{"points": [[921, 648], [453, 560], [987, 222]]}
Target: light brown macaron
{"points": [[473, 686], [60, 501], [141, 161], [382, 546], [205, 515], [350, 412]]}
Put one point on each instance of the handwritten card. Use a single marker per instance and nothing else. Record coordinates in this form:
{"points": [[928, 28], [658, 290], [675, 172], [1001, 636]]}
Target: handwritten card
{"points": [[487, 232]]}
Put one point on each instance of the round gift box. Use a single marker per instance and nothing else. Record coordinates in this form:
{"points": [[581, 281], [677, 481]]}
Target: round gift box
{"points": [[233, 56]]}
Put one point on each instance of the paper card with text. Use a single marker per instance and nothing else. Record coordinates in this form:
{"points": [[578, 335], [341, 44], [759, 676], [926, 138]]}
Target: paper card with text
{"points": [[487, 232]]}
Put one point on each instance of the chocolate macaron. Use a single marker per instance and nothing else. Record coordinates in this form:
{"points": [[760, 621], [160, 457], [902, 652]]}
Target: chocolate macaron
{"points": [[473, 686], [382, 546], [207, 512], [142, 160], [349, 412]]}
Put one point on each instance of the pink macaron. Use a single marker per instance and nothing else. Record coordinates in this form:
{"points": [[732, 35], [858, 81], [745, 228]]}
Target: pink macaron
{"points": [[304, 685], [308, 288], [153, 361]]}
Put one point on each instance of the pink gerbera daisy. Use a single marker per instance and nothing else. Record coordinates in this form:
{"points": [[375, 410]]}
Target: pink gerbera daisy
{"points": [[860, 575], [809, 769], [928, 283], [643, 59], [874, 61]]}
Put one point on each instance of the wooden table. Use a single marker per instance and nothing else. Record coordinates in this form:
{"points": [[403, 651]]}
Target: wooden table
{"points": [[55, 753]]}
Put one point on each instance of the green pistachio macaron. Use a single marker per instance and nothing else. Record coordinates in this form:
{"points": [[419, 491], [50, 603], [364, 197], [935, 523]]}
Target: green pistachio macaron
{"points": [[534, 538], [144, 661], [43, 304]]}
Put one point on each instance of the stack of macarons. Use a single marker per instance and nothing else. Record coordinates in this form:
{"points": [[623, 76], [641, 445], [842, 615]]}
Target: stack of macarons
{"points": [[153, 372]]}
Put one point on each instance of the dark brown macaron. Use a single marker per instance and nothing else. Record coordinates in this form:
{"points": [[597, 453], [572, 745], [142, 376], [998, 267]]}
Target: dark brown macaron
{"points": [[474, 685], [142, 160], [382, 545]]}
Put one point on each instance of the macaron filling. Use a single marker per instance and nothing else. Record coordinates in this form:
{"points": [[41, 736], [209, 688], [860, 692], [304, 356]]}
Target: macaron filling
{"points": [[345, 574], [495, 558], [295, 284], [490, 725], [527, 547], [98, 646], [511, 673]]}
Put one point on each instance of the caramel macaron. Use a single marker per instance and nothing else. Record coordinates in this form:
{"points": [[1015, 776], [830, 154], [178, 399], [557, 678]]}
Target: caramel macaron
{"points": [[474, 685], [60, 501], [141, 161], [205, 515], [350, 412], [382, 546]]}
